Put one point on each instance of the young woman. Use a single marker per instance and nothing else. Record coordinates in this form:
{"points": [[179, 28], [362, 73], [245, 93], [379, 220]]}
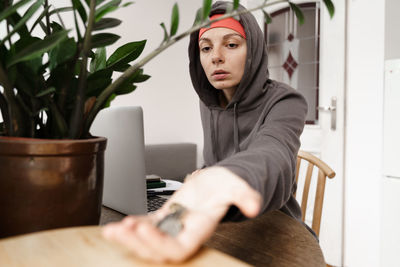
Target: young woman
{"points": [[251, 130]]}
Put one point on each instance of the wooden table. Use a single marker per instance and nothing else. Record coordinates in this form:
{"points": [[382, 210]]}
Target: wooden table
{"points": [[85, 247], [273, 239]]}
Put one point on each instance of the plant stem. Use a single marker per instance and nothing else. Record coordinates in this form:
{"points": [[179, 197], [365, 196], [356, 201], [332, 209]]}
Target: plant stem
{"points": [[131, 70], [46, 4], [4, 112], [7, 24], [61, 20], [59, 128], [62, 97], [75, 126], [15, 122]]}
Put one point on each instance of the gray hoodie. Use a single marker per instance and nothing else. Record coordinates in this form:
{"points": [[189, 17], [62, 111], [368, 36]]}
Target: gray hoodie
{"points": [[256, 135]]}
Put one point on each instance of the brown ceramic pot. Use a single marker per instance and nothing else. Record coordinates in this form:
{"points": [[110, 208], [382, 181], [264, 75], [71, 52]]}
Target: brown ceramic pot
{"points": [[46, 184]]}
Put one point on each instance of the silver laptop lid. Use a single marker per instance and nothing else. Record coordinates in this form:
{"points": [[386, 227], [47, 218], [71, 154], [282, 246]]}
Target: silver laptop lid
{"points": [[125, 172]]}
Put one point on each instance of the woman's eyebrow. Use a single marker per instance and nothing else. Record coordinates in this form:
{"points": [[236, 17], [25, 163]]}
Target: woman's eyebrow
{"points": [[204, 39], [229, 35]]}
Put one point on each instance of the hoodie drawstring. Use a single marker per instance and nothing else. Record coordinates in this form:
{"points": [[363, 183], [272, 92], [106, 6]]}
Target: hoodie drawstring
{"points": [[235, 132], [213, 139], [235, 129]]}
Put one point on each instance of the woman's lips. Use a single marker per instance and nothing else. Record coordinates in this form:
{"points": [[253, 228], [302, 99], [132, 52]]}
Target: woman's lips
{"points": [[219, 75]]}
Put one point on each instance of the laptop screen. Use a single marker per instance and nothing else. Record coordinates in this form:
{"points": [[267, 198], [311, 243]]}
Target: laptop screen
{"points": [[125, 173]]}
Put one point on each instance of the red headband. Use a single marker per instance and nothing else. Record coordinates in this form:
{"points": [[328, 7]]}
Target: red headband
{"points": [[229, 23]]}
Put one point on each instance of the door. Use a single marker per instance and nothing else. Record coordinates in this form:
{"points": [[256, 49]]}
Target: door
{"points": [[325, 141], [321, 78]]}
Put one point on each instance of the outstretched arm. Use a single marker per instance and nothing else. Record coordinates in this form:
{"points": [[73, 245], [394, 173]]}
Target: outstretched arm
{"points": [[207, 195]]}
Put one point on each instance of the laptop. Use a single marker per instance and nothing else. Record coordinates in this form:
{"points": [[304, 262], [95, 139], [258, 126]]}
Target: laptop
{"points": [[124, 165]]}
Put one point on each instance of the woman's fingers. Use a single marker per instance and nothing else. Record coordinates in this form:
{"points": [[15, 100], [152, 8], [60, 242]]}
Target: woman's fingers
{"points": [[130, 233], [197, 227], [247, 200], [167, 248], [141, 236]]}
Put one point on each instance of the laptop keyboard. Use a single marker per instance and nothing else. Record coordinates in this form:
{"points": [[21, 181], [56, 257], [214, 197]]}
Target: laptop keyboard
{"points": [[155, 202]]}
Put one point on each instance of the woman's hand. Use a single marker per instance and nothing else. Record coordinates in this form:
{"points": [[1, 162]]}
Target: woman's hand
{"points": [[207, 195]]}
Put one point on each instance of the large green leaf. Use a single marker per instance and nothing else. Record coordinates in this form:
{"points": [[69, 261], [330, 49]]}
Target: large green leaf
{"points": [[99, 60], [13, 8], [125, 54], [174, 20], [22, 30], [106, 8], [106, 23], [103, 39], [81, 10], [25, 82], [104, 73], [55, 27], [34, 64], [96, 87], [297, 11], [141, 78], [98, 81], [125, 89], [37, 48], [28, 14], [121, 68], [206, 8], [128, 86], [137, 77], [331, 8], [62, 53]]}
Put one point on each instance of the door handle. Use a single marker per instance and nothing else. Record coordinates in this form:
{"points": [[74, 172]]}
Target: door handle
{"points": [[332, 110]]}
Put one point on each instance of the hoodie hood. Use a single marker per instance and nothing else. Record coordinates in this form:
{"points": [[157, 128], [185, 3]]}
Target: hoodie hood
{"points": [[255, 76]]}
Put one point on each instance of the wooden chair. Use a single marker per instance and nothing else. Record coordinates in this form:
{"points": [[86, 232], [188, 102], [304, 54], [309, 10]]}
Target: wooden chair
{"points": [[323, 171]]}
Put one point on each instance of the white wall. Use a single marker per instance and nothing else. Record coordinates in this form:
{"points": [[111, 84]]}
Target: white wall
{"points": [[390, 239], [363, 184]]}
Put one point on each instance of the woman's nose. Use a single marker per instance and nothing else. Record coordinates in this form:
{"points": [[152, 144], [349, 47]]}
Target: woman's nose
{"points": [[217, 57]]}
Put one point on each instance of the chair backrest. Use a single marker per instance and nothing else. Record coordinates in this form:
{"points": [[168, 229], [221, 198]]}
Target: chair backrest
{"points": [[323, 171]]}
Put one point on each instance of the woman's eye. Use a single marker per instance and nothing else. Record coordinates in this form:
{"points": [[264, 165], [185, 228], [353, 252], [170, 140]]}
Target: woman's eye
{"points": [[205, 49], [232, 45]]}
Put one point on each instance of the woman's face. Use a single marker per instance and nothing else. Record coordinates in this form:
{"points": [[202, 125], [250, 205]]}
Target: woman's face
{"points": [[223, 57]]}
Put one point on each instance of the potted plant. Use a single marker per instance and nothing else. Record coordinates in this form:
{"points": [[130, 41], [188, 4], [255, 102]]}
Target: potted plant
{"points": [[53, 83]]}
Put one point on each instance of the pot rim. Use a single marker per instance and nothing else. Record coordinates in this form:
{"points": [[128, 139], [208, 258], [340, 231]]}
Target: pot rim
{"points": [[20, 146], [42, 140]]}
